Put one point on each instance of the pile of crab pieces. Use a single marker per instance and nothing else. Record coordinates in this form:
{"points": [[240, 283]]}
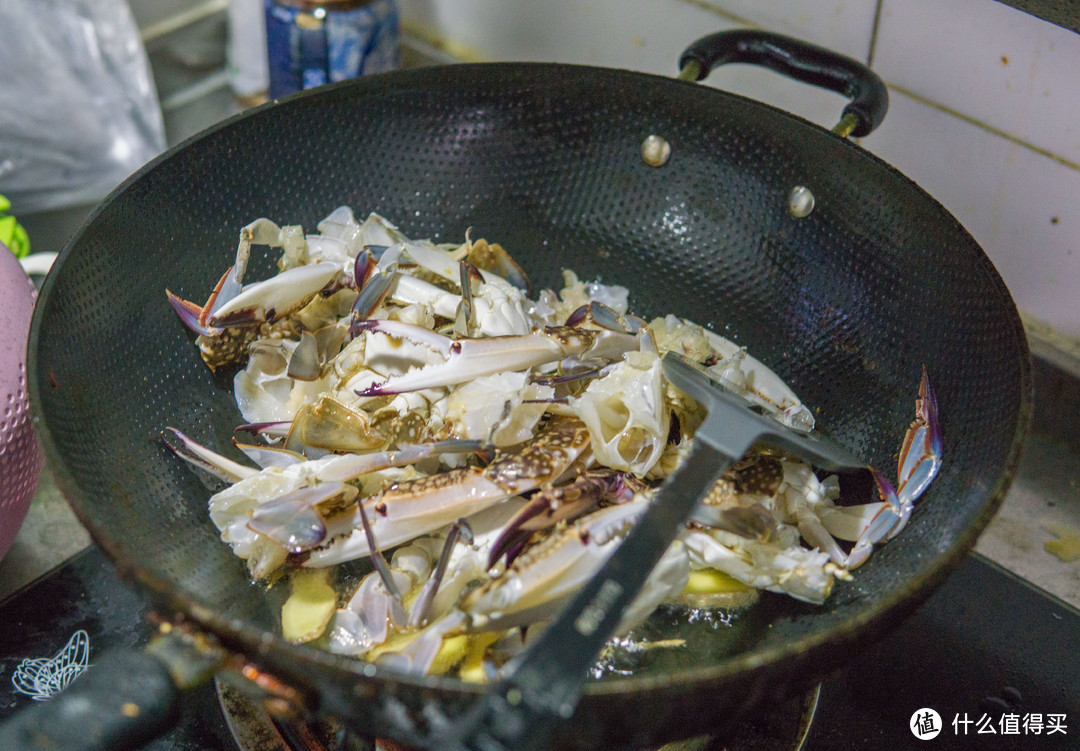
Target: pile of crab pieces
{"points": [[411, 397]]}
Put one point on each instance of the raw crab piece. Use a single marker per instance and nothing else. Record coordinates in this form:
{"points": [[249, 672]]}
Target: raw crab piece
{"points": [[553, 309], [734, 367], [542, 580], [409, 509], [780, 564], [276, 297], [741, 501], [466, 359], [920, 461], [264, 390], [502, 409], [207, 319], [754, 522], [298, 521], [366, 620], [496, 307], [746, 528], [549, 506], [626, 413], [267, 513], [207, 460]]}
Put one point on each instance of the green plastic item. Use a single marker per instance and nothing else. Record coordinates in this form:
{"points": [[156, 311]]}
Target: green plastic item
{"points": [[12, 234]]}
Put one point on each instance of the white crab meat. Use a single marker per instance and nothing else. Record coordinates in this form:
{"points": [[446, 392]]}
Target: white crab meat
{"points": [[626, 414], [780, 565], [263, 389], [496, 408]]}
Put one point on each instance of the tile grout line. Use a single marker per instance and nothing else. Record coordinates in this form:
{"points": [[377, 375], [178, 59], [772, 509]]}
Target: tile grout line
{"points": [[725, 14], [875, 26], [989, 128]]}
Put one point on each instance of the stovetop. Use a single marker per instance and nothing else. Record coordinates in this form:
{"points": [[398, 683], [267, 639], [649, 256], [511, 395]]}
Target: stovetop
{"points": [[987, 651]]}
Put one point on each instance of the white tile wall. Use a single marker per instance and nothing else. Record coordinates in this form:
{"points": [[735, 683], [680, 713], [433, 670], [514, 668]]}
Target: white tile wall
{"points": [[985, 111], [1000, 191], [989, 61], [841, 25]]}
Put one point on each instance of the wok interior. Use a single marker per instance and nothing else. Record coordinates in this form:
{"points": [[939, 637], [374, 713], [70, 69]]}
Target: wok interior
{"points": [[846, 304]]}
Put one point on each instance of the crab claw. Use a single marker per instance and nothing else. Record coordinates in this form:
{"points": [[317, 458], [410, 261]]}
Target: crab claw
{"points": [[275, 298], [209, 461], [492, 257], [880, 521], [467, 359], [194, 316], [293, 520], [374, 279], [415, 507], [920, 456], [919, 463], [190, 314]]}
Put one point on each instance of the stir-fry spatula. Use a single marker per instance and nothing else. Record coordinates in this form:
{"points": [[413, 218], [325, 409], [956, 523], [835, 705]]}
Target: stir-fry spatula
{"points": [[543, 684]]}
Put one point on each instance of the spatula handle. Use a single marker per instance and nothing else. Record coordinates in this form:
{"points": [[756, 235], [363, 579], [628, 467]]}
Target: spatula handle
{"points": [[544, 684]]}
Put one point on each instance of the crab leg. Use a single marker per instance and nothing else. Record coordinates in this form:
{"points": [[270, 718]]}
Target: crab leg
{"points": [[421, 610], [467, 359], [210, 461], [195, 316], [292, 520], [547, 507], [920, 456], [409, 509], [295, 521]]}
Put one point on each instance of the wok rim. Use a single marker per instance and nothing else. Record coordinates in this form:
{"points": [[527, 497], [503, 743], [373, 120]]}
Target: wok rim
{"points": [[262, 645]]}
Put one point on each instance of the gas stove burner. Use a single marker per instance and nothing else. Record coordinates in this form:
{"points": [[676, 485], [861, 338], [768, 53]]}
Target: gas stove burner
{"points": [[784, 728]]}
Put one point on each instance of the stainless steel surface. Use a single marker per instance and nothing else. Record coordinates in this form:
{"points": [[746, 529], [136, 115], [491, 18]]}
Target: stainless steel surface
{"points": [[1046, 491]]}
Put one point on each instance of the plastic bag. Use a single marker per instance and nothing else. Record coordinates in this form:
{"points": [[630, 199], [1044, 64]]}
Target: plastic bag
{"points": [[78, 108]]}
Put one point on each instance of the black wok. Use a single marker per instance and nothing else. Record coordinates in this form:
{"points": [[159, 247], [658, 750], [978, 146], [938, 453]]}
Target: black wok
{"points": [[847, 304]]}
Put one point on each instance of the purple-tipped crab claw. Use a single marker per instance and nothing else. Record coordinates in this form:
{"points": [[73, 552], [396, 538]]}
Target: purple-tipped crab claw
{"points": [[275, 298], [466, 359], [920, 461]]}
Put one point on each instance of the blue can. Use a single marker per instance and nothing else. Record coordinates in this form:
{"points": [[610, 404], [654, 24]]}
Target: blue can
{"points": [[314, 42]]}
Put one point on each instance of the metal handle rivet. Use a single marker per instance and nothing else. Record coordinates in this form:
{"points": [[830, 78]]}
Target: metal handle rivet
{"points": [[655, 151], [800, 202]]}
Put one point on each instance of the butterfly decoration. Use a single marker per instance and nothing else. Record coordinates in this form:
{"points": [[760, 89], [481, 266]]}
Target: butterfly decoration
{"points": [[43, 677]]}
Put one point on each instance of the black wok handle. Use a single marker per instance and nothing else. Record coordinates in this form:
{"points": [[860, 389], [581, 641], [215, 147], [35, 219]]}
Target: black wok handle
{"points": [[801, 61], [125, 700]]}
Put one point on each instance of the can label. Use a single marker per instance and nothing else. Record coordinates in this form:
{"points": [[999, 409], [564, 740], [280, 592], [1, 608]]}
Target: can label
{"points": [[311, 47]]}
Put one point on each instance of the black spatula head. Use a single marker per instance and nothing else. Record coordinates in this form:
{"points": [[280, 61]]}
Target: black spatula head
{"points": [[733, 427]]}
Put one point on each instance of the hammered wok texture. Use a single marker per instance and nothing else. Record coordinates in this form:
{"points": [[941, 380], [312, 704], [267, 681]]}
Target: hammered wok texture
{"points": [[846, 304]]}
